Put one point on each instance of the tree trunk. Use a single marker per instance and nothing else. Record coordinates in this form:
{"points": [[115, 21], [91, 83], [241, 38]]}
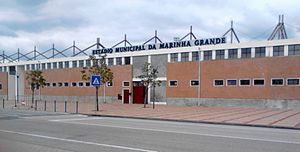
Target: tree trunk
{"points": [[146, 96], [97, 100], [32, 98]]}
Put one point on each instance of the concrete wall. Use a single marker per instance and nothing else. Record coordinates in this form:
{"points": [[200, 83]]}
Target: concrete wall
{"points": [[160, 92], [256, 103], [160, 61], [138, 62]]}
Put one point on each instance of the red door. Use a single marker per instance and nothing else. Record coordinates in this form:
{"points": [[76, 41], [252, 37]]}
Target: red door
{"points": [[126, 96], [138, 94]]}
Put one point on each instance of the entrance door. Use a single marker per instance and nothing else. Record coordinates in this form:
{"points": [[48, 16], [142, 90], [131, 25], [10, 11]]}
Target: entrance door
{"points": [[138, 94], [126, 96]]}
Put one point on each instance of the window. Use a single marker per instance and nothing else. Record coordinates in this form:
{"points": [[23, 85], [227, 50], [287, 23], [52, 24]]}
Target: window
{"points": [[294, 49], [5, 69], [246, 53], [277, 82], [27, 67], [245, 82], [185, 57], [292, 81], [126, 84], [43, 66], [59, 84], [231, 83], [81, 63], [74, 84], [48, 65], [207, 55], [74, 64], [110, 61], [66, 84], [218, 82], [258, 82], [194, 83], [67, 64], [53, 84], [0, 86], [260, 52], [174, 57], [47, 84], [32, 66], [60, 65], [232, 53], [109, 84], [119, 60], [173, 83], [87, 84], [278, 50], [88, 63], [80, 84], [220, 54], [54, 65], [127, 60], [195, 56]]}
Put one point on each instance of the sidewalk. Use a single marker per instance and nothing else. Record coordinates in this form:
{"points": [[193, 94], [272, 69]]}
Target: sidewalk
{"points": [[279, 118]]}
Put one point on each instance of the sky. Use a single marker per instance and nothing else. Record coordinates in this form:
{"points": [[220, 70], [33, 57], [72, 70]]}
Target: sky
{"points": [[41, 23]]}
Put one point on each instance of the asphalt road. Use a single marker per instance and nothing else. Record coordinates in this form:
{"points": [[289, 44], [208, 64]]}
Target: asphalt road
{"points": [[28, 131]]}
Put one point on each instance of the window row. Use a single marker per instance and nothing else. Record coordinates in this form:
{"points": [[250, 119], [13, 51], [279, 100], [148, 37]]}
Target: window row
{"points": [[257, 82], [81, 84]]}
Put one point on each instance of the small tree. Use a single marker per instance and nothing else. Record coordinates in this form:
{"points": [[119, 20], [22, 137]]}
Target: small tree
{"points": [[99, 68], [36, 81], [148, 79]]}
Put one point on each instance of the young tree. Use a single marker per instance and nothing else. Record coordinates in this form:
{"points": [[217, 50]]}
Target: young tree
{"points": [[36, 81], [99, 67], [148, 79]]}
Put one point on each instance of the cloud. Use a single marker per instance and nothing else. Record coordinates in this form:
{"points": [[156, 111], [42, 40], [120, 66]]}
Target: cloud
{"points": [[41, 22]]}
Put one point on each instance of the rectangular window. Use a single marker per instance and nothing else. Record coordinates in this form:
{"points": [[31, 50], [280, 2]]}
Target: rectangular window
{"points": [[231, 83], [59, 84], [87, 63], [67, 64], [66, 84], [53, 84], [246, 53], [232, 53], [74, 84], [54, 65], [292, 81], [220, 54], [32, 66], [218, 83], [74, 64], [245, 82], [184, 56], [47, 84], [207, 55], [80, 84], [278, 50], [109, 84], [27, 67], [173, 83], [119, 60], [294, 49], [194, 83], [60, 65], [258, 82], [260, 52], [126, 84], [4, 69], [81, 63], [48, 65], [87, 84], [195, 56], [174, 57], [277, 82], [43, 66], [127, 60], [0, 86], [110, 61]]}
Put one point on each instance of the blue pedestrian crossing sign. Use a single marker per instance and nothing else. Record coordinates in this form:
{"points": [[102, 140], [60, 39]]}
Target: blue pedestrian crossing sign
{"points": [[96, 80]]}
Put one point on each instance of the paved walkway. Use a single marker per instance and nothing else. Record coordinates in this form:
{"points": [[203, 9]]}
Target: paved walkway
{"points": [[286, 118]]}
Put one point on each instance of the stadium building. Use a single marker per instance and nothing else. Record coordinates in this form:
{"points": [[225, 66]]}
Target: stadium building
{"points": [[213, 72]]}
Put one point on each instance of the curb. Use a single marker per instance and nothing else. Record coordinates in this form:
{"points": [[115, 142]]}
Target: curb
{"points": [[190, 121]]}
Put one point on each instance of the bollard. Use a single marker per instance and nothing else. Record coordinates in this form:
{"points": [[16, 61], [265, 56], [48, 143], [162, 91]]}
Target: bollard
{"points": [[35, 108], [54, 105], [76, 106], [3, 103], [45, 108], [65, 106]]}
